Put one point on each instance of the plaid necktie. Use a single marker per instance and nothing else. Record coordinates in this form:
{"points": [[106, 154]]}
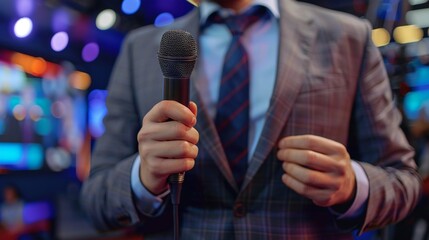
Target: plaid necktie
{"points": [[232, 117]]}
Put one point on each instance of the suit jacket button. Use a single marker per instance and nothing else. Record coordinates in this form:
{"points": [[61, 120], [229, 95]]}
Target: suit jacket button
{"points": [[239, 210]]}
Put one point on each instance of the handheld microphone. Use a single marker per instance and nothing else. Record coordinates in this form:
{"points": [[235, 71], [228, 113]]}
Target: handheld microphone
{"points": [[177, 56]]}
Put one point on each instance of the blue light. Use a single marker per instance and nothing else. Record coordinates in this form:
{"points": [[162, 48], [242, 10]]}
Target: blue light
{"points": [[34, 155], [164, 19], [44, 126], [2, 126], [130, 6], [21, 156], [419, 78], [413, 102], [11, 153], [97, 111]]}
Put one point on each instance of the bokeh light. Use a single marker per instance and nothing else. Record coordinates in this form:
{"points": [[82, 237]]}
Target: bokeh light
{"points": [[12, 78], [164, 19], [419, 17], [34, 212], [61, 20], [38, 66], [90, 52], [19, 112], [416, 2], [413, 102], [36, 112], [24, 7], [2, 126], [59, 41], [23, 27], [130, 6], [407, 34], [57, 159], [80, 80], [380, 37], [97, 111], [58, 109], [105, 19], [24, 156], [43, 126]]}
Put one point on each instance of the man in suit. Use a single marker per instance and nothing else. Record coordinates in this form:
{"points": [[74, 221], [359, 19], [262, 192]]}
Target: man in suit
{"points": [[325, 153]]}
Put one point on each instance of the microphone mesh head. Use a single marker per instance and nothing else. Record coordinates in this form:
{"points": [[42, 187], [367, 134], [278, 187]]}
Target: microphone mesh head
{"points": [[177, 54]]}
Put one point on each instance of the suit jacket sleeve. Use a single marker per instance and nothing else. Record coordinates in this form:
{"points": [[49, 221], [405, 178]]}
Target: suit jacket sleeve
{"points": [[107, 195], [376, 140]]}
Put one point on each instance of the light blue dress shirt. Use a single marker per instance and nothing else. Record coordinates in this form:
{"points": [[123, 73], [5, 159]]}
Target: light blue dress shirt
{"points": [[261, 41]]}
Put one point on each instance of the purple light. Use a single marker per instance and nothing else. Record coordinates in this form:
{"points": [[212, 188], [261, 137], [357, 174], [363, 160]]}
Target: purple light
{"points": [[24, 7], [90, 52], [60, 20], [59, 41], [36, 211]]}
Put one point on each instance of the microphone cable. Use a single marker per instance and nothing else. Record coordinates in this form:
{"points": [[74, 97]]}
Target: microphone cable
{"points": [[176, 181]]}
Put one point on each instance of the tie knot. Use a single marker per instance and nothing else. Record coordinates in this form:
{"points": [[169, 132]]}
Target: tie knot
{"points": [[238, 24]]}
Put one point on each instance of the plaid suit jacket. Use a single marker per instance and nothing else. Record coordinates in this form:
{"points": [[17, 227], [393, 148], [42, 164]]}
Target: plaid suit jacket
{"points": [[330, 82]]}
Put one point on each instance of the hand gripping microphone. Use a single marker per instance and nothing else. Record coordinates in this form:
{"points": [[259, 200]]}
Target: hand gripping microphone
{"points": [[177, 55]]}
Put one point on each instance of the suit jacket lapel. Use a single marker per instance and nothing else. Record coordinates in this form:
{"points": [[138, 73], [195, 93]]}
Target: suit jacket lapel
{"points": [[209, 139], [296, 37]]}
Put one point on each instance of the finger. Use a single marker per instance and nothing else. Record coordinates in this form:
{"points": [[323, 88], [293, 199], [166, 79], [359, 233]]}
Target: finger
{"points": [[312, 142], [171, 149], [193, 107], [165, 166], [310, 159], [310, 192], [168, 131], [170, 110], [310, 177]]}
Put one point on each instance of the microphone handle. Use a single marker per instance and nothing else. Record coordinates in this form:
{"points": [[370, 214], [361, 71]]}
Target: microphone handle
{"points": [[176, 89]]}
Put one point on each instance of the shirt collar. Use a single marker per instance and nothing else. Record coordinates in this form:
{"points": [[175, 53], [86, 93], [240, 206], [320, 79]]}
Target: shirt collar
{"points": [[209, 7]]}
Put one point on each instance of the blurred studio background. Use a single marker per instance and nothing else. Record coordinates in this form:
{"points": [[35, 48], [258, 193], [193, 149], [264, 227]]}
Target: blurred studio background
{"points": [[55, 60]]}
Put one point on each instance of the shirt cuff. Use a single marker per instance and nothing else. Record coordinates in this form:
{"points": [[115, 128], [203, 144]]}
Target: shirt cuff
{"points": [[362, 192], [146, 202]]}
